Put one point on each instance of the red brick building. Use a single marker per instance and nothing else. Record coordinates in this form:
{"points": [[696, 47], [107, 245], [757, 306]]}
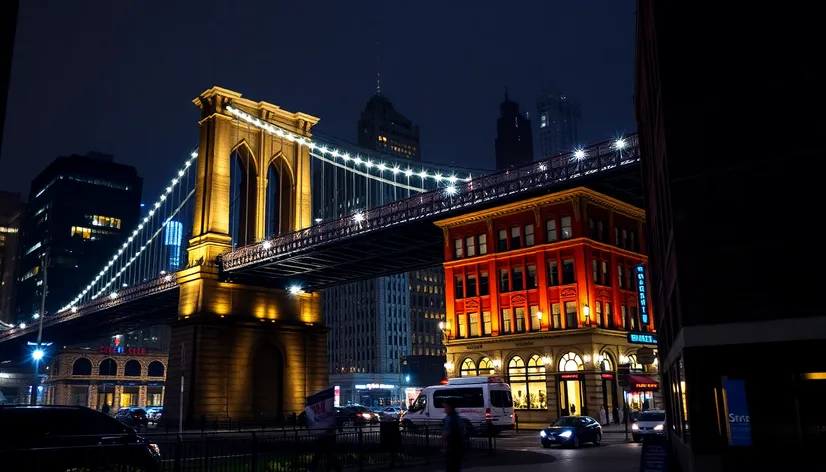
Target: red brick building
{"points": [[544, 292]]}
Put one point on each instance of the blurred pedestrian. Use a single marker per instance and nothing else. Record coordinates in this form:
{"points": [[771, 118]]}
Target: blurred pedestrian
{"points": [[326, 448], [453, 435], [105, 408]]}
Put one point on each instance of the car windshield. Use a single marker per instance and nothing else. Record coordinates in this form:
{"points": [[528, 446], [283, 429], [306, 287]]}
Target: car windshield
{"points": [[567, 421], [652, 416]]}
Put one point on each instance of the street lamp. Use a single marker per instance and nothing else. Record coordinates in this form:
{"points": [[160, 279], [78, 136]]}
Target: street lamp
{"points": [[38, 353]]}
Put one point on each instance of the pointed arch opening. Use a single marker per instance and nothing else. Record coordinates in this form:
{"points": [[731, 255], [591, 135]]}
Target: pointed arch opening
{"points": [[243, 195], [280, 198]]}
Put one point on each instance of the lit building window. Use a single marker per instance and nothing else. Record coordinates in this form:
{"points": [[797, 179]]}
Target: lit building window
{"points": [[107, 221], [85, 233], [567, 233]]}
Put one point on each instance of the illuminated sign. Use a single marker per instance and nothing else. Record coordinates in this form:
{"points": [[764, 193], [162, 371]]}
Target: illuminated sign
{"points": [[642, 294], [737, 412], [569, 376], [646, 386], [337, 398], [132, 351], [375, 386], [608, 376], [642, 338]]}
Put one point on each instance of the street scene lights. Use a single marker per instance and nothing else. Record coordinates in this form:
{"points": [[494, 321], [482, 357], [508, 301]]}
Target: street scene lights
{"points": [[37, 354]]}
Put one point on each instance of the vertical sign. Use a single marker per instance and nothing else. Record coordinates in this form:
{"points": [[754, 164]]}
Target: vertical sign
{"points": [[642, 294], [337, 401], [737, 412]]}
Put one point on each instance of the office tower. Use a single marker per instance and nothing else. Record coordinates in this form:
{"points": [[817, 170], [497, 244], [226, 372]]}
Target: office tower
{"points": [[79, 210], [11, 212], [558, 123], [514, 140]]}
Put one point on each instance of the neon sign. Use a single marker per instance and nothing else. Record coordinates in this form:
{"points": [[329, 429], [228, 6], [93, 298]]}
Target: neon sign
{"points": [[642, 294], [640, 338], [132, 351]]}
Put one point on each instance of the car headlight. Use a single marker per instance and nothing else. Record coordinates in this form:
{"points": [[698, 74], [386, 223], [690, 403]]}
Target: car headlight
{"points": [[659, 427], [542, 434], [565, 434], [635, 427], [155, 449]]}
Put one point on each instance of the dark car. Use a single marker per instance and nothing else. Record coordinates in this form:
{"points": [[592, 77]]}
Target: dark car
{"points": [[572, 431], [353, 415], [59, 438], [132, 416]]}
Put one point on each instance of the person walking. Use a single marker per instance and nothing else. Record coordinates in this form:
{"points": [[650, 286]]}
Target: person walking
{"points": [[326, 448], [453, 435], [105, 408]]}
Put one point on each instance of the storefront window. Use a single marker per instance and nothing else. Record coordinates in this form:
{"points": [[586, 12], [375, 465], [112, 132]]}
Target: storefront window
{"points": [[605, 364], [154, 396], [129, 396], [527, 385], [468, 368], [486, 367]]}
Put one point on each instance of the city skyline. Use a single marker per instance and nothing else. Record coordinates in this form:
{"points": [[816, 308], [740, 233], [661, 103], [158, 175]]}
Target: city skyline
{"points": [[422, 79]]}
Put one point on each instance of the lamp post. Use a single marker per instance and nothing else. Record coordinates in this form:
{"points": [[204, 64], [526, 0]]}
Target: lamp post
{"points": [[37, 354]]}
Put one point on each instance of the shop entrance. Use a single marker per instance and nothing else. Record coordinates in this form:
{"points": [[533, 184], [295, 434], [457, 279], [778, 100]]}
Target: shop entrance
{"points": [[609, 397], [572, 395], [106, 396]]}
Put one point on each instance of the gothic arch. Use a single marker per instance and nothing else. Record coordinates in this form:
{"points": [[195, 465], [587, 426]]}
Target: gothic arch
{"points": [[279, 196], [243, 191]]}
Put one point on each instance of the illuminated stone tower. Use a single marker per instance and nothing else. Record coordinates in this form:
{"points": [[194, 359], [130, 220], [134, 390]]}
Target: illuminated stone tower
{"points": [[244, 351]]}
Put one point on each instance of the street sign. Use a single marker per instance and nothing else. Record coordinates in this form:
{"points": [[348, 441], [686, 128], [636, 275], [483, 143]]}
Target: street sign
{"points": [[642, 338], [645, 355]]}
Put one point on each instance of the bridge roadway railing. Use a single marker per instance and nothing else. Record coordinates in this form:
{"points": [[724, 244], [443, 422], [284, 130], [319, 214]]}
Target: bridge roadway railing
{"points": [[104, 302], [600, 157]]}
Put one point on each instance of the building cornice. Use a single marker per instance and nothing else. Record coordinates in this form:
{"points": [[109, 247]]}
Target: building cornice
{"points": [[588, 195]]}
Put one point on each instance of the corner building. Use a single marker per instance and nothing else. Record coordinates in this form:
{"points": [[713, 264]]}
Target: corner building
{"points": [[543, 292]]}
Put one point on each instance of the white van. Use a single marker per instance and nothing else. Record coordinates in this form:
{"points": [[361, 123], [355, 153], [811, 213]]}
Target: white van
{"points": [[485, 403]]}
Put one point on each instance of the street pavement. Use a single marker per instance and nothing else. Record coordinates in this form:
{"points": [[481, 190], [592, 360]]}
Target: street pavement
{"points": [[524, 450]]}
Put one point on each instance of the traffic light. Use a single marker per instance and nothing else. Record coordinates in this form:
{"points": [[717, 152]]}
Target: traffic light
{"points": [[623, 372]]}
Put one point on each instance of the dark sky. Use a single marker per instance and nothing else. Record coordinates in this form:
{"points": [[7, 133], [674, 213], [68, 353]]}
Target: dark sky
{"points": [[119, 76]]}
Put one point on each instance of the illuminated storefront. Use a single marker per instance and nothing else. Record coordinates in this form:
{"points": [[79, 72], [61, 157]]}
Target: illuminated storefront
{"points": [[544, 293], [110, 375]]}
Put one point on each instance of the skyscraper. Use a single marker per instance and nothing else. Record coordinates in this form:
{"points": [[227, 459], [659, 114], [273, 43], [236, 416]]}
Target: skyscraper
{"points": [[377, 324], [172, 242], [514, 140], [79, 209], [11, 212], [558, 123]]}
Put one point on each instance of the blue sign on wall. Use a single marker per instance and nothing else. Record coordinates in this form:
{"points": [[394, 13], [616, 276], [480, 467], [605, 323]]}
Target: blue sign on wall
{"points": [[642, 338], [642, 294], [737, 413]]}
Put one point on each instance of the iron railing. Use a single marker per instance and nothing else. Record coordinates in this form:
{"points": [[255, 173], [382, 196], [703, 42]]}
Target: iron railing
{"points": [[251, 451], [600, 157]]}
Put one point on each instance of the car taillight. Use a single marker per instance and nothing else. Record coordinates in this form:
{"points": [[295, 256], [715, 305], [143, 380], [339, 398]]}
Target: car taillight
{"points": [[487, 416]]}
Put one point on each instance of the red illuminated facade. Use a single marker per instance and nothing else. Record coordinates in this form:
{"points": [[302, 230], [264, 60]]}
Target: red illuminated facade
{"points": [[546, 288]]}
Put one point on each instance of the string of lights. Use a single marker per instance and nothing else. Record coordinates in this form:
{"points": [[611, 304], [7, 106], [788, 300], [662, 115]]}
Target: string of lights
{"points": [[395, 171], [137, 234], [324, 149]]}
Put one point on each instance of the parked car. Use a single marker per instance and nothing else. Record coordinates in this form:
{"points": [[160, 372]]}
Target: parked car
{"points": [[133, 417], [391, 412], [649, 423], [72, 438], [572, 431], [154, 413]]}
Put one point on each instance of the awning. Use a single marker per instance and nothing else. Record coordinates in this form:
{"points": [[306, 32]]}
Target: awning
{"points": [[640, 383]]}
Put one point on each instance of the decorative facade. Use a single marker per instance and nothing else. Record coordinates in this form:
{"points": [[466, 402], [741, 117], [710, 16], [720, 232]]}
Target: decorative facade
{"points": [[91, 378], [544, 292]]}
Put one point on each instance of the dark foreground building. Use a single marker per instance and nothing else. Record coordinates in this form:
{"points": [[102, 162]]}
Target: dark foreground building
{"points": [[731, 128]]}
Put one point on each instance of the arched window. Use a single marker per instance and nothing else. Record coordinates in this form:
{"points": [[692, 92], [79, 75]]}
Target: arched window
{"points": [[155, 369], [605, 363], [517, 378], [486, 367], [537, 398], [82, 366], [632, 359], [132, 368], [108, 367], [570, 362], [468, 368]]}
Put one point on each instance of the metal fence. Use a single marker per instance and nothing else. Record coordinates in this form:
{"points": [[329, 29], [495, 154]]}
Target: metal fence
{"points": [[274, 451]]}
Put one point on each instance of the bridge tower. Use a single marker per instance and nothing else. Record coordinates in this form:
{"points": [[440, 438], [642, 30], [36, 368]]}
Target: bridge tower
{"points": [[245, 352]]}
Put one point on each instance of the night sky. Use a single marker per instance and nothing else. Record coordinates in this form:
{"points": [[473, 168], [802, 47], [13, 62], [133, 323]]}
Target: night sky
{"points": [[119, 77]]}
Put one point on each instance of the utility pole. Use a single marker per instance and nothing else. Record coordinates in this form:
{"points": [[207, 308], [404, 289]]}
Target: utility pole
{"points": [[181, 402], [38, 352]]}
